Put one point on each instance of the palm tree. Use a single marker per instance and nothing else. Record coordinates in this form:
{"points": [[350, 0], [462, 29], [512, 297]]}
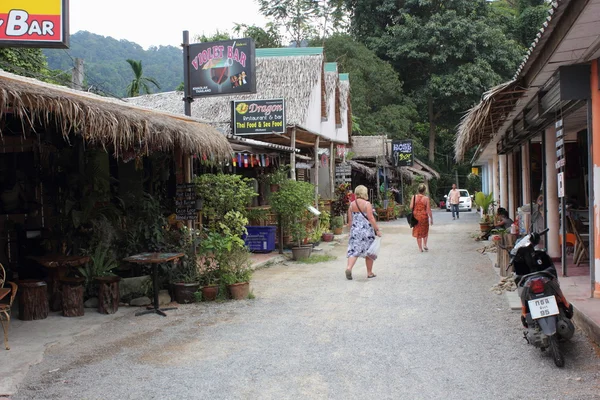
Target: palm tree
{"points": [[139, 82]]}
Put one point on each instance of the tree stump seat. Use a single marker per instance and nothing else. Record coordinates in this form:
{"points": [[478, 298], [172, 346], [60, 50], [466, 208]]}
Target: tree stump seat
{"points": [[108, 294], [72, 296], [33, 300]]}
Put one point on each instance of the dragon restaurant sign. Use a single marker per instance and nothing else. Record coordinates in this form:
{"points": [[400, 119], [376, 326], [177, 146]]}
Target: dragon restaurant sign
{"points": [[258, 117], [225, 67], [34, 23]]}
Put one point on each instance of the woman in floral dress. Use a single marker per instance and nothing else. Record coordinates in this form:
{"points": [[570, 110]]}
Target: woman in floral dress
{"points": [[363, 229], [422, 212]]}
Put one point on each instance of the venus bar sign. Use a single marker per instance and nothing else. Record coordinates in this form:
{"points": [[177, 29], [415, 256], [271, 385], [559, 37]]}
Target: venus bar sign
{"points": [[258, 117], [34, 23]]}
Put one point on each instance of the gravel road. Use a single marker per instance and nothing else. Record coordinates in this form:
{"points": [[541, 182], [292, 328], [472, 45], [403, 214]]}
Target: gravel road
{"points": [[426, 328]]}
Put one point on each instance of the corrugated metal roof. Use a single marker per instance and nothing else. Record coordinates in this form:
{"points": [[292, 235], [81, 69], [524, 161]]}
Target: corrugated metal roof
{"points": [[289, 52]]}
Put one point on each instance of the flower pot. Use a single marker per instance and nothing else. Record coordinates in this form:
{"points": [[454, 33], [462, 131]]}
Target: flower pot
{"points": [[209, 293], [184, 292], [485, 227], [338, 231], [301, 253], [327, 237], [239, 291]]}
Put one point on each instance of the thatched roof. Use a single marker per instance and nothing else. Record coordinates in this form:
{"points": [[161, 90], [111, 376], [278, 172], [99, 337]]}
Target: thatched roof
{"points": [[107, 122], [331, 83], [481, 122], [479, 125], [290, 77]]}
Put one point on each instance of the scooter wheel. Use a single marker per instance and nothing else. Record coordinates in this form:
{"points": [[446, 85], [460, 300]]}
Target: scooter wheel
{"points": [[559, 360]]}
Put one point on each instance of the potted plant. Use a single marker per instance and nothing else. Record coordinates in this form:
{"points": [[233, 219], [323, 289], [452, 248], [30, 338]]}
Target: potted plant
{"points": [[99, 270], [324, 226], [291, 202], [485, 201], [277, 177], [237, 272], [209, 277], [186, 280], [337, 224]]}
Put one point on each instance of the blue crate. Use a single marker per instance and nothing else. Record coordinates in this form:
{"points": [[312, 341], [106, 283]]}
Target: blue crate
{"points": [[260, 239]]}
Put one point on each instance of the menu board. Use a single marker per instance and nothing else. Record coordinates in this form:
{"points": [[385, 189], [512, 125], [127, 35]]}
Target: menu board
{"points": [[185, 202], [343, 173], [402, 153]]}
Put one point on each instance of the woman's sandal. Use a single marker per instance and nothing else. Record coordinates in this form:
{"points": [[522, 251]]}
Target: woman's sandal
{"points": [[349, 274], [371, 276], [425, 248]]}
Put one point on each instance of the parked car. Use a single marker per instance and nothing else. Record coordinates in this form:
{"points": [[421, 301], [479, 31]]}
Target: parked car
{"points": [[464, 204]]}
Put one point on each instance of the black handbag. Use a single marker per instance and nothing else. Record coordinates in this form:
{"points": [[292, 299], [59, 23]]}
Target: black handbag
{"points": [[410, 218]]}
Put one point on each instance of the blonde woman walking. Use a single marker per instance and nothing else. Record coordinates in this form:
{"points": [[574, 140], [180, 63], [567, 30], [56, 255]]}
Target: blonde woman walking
{"points": [[363, 229], [422, 212]]}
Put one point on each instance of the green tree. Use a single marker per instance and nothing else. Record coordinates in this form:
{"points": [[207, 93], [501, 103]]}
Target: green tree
{"points": [[22, 61], [304, 20], [213, 37], [264, 38], [139, 82], [376, 89], [446, 52]]}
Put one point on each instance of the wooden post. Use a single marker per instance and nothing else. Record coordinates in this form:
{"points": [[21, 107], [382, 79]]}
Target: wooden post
{"points": [[293, 155], [317, 172], [331, 170]]}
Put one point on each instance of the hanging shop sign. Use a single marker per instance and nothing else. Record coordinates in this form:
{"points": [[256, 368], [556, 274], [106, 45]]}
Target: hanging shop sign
{"points": [[402, 153], [34, 23], [343, 173], [185, 202], [225, 67], [257, 117]]}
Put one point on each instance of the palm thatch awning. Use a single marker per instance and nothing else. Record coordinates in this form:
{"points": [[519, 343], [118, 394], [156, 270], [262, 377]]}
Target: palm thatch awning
{"points": [[481, 122], [107, 122]]}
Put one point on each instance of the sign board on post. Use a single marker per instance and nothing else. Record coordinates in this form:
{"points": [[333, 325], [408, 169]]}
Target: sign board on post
{"points": [[254, 117], [561, 185], [185, 202], [402, 153], [34, 23], [225, 67]]}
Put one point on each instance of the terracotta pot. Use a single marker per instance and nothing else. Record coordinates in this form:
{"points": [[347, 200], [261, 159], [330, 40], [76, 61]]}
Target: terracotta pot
{"points": [[327, 237], [301, 253], [209, 293], [184, 292], [239, 291], [485, 227], [338, 231]]}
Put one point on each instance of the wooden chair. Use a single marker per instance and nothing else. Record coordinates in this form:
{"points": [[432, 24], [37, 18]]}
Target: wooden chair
{"points": [[5, 307], [581, 251]]}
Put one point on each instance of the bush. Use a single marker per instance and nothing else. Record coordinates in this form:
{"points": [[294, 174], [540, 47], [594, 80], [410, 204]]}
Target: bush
{"points": [[224, 193]]}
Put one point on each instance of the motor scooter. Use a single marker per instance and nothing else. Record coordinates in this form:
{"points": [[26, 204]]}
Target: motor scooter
{"points": [[546, 314]]}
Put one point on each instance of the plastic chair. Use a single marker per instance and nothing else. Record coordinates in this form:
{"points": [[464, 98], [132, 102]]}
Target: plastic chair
{"points": [[4, 307]]}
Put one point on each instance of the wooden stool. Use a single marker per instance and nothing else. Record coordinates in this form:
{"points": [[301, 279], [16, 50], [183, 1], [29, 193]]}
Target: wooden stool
{"points": [[108, 294], [72, 296], [33, 300]]}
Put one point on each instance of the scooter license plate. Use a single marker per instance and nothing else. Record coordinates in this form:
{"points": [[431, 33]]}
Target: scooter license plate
{"points": [[543, 307]]}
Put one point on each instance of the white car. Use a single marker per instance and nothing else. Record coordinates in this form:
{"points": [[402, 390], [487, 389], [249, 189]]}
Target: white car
{"points": [[464, 203]]}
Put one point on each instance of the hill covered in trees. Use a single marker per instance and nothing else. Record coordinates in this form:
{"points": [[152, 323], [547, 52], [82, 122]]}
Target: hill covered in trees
{"points": [[105, 65]]}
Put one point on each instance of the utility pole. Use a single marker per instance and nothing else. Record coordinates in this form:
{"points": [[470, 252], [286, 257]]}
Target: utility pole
{"points": [[77, 75]]}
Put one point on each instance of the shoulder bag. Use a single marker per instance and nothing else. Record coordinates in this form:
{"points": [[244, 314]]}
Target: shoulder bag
{"points": [[410, 218], [363, 214]]}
